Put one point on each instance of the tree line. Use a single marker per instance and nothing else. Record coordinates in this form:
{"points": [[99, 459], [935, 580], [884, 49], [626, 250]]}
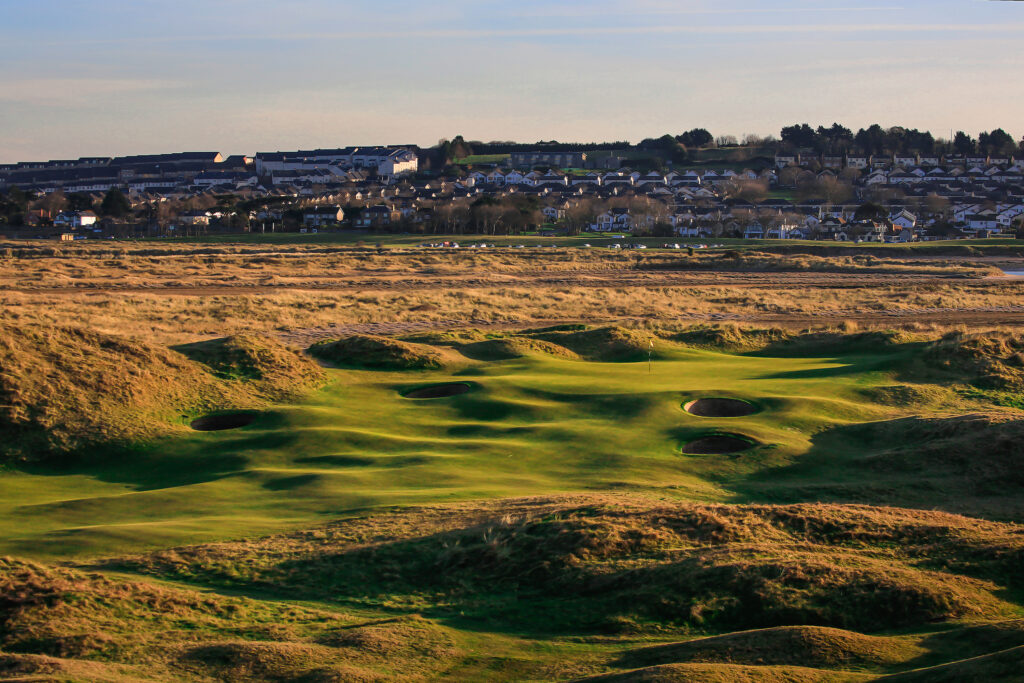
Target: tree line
{"points": [[875, 139], [15, 203], [835, 139]]}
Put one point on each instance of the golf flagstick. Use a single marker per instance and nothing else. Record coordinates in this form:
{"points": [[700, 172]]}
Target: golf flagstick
{"points": [[650, 352]]}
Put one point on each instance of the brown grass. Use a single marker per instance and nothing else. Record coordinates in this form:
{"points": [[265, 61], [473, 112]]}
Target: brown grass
{"points": [[727, 673], [58, 621], [225, 290], [617, 566], [380, 353], [67, 389], [187, 318], [815, 646], [140, 265]]}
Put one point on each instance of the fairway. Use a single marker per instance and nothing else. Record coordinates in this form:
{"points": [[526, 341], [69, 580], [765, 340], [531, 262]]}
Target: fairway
{"points": [[527, 426], [543, 504]]}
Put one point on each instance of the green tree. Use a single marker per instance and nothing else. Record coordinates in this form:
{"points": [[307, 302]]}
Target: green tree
{"points": [[78, 201], [964, 143], [869, 211], [996, 142], [115, 204], [17, 198], [698, 137]]}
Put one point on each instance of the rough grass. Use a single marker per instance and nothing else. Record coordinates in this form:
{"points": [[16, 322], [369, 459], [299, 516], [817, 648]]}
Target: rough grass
{"points": [[726, 673], [66, 389], [993, 360], [999, 667], [604, 344], [573, 342], [378, 353], [273, 369], [57, 621], [984, 450], [911, 396], [969, 463], [764, 262], [729, 337], [83, 266], [811, 646], [508, 348], [614, 568]]}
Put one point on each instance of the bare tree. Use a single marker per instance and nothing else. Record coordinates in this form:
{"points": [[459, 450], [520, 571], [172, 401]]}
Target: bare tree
{"points": [[753, 191]]}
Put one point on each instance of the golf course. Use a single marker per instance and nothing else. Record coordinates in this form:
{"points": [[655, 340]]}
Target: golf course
{"points": [[547, 503], [538, 424]]}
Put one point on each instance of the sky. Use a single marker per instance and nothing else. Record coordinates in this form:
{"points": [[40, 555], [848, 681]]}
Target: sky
{"points": [[85, 78]]}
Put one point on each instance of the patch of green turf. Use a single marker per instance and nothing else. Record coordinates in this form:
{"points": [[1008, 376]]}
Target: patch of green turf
{"points": [[535, 424]]}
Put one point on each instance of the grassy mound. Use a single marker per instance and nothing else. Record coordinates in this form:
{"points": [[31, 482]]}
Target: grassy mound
{"points": [[837, 343], [378, 353], [509, 348], [983, 451], [729, 337], [816, 646], [1000, 667], [22, 667], [780, 342], [608, 567], [268, 365], [993, 360], [447, 337], [66, 389], [256, 661], [909, 395], [60, 622], [603, 344], [726, 673]]}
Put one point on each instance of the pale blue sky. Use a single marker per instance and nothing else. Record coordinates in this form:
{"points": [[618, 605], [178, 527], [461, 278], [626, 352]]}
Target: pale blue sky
{"points": [[81, 77]]}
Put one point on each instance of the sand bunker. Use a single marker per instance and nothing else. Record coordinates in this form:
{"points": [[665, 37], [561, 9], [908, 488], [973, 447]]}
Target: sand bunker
{"points": [[718, 444], [439, 390], [720, 407], [217, 423]]}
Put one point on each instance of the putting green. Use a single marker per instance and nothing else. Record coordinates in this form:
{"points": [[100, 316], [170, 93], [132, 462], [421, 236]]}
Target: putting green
{"points": [[529, 426]]}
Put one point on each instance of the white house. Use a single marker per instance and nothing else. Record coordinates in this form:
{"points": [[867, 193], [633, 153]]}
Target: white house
{"points": [[514, 178], [904, 220], [74, 219], [397, 163], [616, 219], [1007, 216], [985, 221], [783, 231]]}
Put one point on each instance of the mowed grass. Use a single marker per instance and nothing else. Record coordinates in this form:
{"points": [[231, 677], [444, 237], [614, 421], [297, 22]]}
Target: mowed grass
{"points": [[529, 426]]}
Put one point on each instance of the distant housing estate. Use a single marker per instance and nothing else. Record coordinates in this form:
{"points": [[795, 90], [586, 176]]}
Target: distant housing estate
{"points": [[911, 196], [164, 173]]}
